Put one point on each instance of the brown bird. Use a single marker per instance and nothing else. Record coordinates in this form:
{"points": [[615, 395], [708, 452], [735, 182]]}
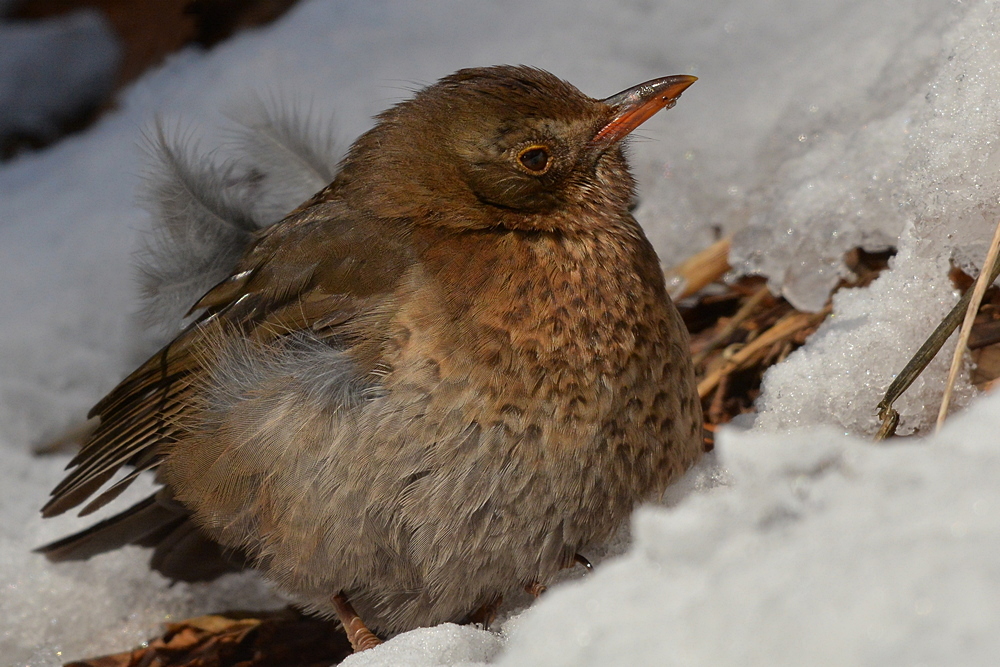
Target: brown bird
{"points": [[433, 383]]}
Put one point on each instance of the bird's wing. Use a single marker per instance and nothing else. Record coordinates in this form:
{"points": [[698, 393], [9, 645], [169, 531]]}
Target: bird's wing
{"points": [[314, 272]]}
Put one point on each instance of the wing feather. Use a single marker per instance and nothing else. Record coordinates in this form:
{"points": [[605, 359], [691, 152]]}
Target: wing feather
{"points": [[313, 272]]}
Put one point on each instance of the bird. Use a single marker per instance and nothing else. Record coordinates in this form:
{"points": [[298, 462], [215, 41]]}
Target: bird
{"points": [[435, 382]]}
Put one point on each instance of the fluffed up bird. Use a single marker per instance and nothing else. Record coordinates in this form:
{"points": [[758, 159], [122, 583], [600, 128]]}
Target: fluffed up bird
{"points": [[433, 383]]}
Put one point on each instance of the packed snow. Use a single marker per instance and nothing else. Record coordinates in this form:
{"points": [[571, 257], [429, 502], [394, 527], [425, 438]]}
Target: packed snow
{"points": [[813, 128]]}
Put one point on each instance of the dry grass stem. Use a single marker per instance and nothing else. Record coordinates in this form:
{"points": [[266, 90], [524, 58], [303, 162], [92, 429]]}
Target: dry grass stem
{"points": [[734, 322], [697, 272], [782, 329], [984, 280]]}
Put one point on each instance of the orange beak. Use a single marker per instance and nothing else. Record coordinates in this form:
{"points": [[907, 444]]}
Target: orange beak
{"points": [[635, 106]]}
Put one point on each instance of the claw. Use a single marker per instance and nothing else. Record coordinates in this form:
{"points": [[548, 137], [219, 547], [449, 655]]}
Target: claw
{"points": [[535, 588]]}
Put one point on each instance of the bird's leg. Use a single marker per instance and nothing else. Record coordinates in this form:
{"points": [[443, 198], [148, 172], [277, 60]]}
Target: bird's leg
{"points": [[358, 634], [486, 613]]}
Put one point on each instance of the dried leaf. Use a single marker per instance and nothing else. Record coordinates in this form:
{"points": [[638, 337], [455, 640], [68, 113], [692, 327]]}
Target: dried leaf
{"points": [[272, 639]]}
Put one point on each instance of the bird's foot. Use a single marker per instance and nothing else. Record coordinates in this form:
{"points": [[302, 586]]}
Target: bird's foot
{"points": [[486, 614], [358, 634]]}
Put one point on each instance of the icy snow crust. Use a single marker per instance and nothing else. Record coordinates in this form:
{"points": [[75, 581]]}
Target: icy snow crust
{"points": [[814, 127]]}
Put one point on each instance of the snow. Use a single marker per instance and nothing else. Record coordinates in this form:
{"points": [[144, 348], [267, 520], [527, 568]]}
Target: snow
{"points": [[814, 127], [447, 644], [922, 150], [822, 550], [843, 372]]}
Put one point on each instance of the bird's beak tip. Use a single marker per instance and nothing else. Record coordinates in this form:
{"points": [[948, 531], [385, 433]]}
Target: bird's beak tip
{"points": [[634, 106]]}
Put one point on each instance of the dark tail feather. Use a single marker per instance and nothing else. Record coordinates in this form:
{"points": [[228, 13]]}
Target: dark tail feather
{"points": [[181, 551]]}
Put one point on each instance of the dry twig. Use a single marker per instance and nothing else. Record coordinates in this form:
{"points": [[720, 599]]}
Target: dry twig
{"points": [[923, 356], [970, 316]]}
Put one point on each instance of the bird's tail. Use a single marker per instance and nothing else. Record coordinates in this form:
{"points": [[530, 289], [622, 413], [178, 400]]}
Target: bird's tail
{"points": [[181, 551]]}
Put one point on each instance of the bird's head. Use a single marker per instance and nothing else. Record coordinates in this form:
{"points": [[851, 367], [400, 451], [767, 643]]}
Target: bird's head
{"points": [[502, 147]]}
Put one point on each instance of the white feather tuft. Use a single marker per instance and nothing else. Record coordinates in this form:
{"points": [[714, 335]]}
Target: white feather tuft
{"points": [[291, 146], [205, 211], [202, 223]]}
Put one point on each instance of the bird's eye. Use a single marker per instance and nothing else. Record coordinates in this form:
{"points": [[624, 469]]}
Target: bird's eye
{"points": [[535, 159]]}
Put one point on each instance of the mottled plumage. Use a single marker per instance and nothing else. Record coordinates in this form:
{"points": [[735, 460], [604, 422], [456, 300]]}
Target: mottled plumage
{"points": [[429, 385]]}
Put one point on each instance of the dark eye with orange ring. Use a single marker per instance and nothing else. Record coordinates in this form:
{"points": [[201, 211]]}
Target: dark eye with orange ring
{"points": [[535, 159]]}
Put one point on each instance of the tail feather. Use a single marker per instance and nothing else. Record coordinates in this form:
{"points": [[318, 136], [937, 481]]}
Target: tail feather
{"points": [[181, 551], [128, 527]]}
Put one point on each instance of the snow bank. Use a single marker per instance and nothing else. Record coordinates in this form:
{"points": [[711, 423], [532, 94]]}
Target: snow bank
{"points": [[824, 550]]}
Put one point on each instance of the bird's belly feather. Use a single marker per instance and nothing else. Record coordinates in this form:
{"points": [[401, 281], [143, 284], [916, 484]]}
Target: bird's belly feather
{"points": [[437, 485]]}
